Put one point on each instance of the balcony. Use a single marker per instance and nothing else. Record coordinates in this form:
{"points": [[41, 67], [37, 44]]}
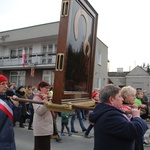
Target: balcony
{"points": [[38, 59]]}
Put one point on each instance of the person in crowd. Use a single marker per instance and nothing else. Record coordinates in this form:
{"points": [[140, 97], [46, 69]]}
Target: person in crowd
{"points": [[20, 93], [10, 90], [64, 123], [139, 97], [95, 97], [15, 87], [42, 119], [79, 116], [138, 101], [55, 130], [112, 128], [51, 90], [28, 91], [31, 110], [129, 94], [54, 114], [8, 112], [145, 101]]}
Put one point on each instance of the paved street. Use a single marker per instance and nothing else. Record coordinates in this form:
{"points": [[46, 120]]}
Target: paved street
{"points": [[24, 139]]}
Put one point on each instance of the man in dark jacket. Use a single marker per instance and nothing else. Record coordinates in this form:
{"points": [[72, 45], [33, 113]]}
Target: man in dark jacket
{"points": [[112, 129], [8, 111]]}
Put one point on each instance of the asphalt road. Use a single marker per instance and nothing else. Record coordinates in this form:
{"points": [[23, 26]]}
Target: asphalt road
{"points": [[25, 140]]}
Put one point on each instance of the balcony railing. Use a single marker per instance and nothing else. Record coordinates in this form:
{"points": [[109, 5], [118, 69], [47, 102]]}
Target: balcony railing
{"points": [[34, 58]]}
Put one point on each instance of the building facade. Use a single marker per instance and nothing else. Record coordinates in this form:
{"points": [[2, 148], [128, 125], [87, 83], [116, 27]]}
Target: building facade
{"points": [[137, 78], [40, 46]]}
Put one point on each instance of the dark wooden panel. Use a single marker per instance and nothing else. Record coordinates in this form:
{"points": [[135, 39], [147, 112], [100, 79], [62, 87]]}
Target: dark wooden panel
{"points": [[75, 51]]}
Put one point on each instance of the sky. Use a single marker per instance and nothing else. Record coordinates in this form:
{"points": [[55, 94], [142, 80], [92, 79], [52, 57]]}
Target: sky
{"points": [[123, 25]]}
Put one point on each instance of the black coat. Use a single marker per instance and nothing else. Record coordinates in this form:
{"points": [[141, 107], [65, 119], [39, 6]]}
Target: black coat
{"points": [[23, 104]]}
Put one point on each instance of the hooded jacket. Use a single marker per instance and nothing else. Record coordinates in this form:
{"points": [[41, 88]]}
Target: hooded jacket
{"points": [[113, 130]]}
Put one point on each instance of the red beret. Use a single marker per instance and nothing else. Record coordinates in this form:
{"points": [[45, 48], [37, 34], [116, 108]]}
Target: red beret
{"points": [[3, 78]]}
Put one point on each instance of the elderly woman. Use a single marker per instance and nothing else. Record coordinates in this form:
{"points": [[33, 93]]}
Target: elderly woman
{"points": [[129, 94], [42, 119]]}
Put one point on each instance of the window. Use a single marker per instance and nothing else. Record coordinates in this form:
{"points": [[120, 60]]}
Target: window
{"points": [[18, 77], [55, 48], [20, 52], [99, 59], [48, 76], [44, 48], [99, 83], [43, 61], [13, 54], [50, 48], [49, 61], [30, 50]]}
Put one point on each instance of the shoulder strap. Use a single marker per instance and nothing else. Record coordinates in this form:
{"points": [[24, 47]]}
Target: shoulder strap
{"points": [[2, 125]]}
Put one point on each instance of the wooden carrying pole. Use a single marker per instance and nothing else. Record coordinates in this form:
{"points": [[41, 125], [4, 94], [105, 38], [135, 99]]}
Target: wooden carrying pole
{"points": [[68, 107]]}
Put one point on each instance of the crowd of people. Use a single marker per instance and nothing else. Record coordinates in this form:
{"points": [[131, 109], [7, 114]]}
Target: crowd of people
{"points": [[118, 117]]}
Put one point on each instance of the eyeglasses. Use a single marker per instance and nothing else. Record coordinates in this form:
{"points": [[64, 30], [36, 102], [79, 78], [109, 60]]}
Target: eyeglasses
{"points": [[4, 83]]}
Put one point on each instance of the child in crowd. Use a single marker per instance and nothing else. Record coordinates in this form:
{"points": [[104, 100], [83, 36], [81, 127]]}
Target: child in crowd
{"points": [[139, 96], [64, 123]]}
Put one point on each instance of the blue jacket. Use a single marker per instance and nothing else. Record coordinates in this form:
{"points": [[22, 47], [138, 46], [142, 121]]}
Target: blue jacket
{"points": [[113, 130], [7, 140]]}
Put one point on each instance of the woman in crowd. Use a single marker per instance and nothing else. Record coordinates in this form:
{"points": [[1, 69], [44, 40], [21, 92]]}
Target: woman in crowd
{"points": [[42, 119], [28, 91], [129, 95], [112, 128], [31, 110]]}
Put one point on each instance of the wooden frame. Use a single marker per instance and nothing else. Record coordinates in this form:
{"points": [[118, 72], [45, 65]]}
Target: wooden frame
{"points": [[75, 57]]}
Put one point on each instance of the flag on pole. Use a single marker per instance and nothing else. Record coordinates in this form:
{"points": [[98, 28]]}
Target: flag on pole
{"points": [[23, 57]]}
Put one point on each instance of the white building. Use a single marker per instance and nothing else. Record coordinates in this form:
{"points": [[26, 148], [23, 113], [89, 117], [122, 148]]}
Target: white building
{"points": [[40, 45]]}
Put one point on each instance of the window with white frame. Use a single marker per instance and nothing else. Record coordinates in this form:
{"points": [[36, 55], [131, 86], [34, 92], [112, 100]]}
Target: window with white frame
{"points": [[30, 50], [48, 76], [13, 53], [44, 48], [99, 59], [18, 77], [99, 83], [50, 48]]}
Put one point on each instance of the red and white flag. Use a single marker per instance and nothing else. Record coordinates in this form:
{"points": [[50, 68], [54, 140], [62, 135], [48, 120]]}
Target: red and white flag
{"points": [[24, 58]]}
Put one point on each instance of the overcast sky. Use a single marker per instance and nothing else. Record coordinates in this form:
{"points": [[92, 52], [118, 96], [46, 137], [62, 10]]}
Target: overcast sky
{"points": [[123, 25]]}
